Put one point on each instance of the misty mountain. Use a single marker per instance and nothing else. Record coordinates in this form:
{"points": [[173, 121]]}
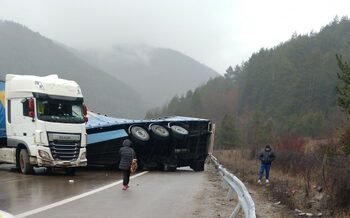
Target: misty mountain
{"points": [[23, 51], [156, 73]]}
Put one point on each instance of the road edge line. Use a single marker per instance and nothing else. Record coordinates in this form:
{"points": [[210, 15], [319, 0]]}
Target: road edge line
{"points": [[67, 200]]}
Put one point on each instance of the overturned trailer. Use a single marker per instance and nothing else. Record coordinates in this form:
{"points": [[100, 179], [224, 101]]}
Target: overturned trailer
{"points": [[163, 143]]}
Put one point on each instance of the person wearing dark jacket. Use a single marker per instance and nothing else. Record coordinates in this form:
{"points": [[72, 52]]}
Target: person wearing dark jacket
{"points": [[266, 157], [126, 154]]}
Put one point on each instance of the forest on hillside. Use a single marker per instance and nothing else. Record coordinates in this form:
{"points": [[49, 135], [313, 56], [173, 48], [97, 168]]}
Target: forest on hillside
{"points": [[287, 90], [295, 97]]}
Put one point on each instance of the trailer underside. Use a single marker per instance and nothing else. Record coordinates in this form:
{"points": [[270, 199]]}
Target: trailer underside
{"points": [[164, 143]]}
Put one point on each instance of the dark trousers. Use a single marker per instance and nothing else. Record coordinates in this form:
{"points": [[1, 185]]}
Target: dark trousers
{"points": [[126, 177], [264, 167]]}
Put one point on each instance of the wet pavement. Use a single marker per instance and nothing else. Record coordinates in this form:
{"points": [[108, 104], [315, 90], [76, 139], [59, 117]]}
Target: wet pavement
{"points": [[154, 194], [20, 193]]}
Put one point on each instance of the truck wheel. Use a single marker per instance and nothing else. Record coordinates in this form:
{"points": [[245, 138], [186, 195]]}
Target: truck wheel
{"points": [[70, 171], [24, 164], [159, 132], [179, 132], [198, 165], [139, 134]]}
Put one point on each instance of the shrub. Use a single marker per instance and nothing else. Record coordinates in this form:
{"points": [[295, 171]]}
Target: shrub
{"points": [[290, 156], [338, 180], [292, 143], [344, 139], [279, 190]]}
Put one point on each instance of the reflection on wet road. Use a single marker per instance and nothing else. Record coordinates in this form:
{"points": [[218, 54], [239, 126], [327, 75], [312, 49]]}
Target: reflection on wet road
{"points": [[20, 193], [95, 192], [154, 194]]}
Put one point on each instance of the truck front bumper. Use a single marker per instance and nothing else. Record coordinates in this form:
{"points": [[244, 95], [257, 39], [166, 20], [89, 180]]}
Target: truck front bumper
{"points": [[63, 164], [48, 161]]}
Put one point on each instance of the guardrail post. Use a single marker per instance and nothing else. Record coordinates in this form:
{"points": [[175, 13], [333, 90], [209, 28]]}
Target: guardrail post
{"points": [[236, 211], [223, 183], [229, 194]]}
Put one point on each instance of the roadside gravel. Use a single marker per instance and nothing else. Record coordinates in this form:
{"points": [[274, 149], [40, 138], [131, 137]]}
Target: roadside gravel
{"points": [[211, 200]]}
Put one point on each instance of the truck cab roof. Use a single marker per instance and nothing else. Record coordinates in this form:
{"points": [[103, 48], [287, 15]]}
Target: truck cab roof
{"points": [[51, 85]]}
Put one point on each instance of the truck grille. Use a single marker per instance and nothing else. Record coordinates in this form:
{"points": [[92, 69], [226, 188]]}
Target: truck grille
{"points": [[64, 146]]}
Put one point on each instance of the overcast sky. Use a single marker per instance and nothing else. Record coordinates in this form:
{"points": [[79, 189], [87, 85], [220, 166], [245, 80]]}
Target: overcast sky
{"points": [[217, 33]]}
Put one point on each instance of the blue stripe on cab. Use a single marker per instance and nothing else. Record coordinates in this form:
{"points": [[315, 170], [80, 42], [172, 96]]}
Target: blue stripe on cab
{"points": [[105, 136]]}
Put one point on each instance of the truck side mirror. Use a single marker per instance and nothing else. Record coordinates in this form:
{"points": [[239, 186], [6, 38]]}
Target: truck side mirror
{"points": [[85, 113], [31, 114], [31, 104], [31, 107]]}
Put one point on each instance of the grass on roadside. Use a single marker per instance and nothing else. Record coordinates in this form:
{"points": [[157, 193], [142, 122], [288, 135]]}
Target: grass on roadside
{"points": [[309, 181]]}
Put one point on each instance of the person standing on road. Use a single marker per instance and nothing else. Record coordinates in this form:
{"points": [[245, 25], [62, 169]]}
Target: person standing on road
{"points": [[266, 157], [126, 154]]}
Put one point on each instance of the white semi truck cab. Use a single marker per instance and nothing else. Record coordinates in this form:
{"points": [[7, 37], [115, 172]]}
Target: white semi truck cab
{"points": [[42, 123]]}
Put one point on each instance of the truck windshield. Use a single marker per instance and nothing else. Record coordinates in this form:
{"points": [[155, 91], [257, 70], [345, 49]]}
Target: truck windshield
{"points": [[60, 110]]}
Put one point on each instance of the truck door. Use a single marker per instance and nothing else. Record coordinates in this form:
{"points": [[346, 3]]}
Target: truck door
{"points": [[20, 125]]}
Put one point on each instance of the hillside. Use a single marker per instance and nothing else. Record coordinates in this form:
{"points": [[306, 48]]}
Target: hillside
{"points": [[23, 51], [289, 89], [156, 73]]}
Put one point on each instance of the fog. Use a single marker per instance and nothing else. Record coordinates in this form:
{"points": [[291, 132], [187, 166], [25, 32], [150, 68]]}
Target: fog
{"points": [[216, 33]]}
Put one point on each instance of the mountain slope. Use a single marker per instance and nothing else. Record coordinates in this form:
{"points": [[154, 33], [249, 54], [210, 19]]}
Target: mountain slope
{"points": [[292, 86], [156, 73], [24, 52]]}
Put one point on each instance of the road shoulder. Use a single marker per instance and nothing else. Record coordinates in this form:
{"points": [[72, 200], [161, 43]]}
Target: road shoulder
{"points": [[211, 199]]}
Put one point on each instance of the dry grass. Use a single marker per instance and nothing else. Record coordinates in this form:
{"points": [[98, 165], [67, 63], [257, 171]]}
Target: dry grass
{"points": [[247, 171], [295, 175]]}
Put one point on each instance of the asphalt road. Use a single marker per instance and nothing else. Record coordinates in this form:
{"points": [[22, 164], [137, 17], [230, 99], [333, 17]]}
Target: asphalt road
{"points": [[96, 192]]}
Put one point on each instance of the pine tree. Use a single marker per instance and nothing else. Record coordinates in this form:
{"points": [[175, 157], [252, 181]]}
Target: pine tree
{"points": [[343, 100], [343, 89], [228, 132]]}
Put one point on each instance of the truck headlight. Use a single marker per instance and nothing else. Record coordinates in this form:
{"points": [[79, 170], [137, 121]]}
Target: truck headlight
{"points": [[83, 155], [44, 155]]}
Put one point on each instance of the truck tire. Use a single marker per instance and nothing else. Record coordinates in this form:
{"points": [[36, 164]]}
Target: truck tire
{"points": [[178, 132], [138, 134], [159, 132], [24, 164], [70, 171], [198, 165]]}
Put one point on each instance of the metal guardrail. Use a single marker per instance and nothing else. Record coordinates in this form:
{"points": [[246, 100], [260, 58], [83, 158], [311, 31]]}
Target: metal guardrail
{"points": [[245, 201]]}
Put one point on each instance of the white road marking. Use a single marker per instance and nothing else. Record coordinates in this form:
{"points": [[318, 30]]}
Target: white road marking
{"points": [[65, 201], [4, 214]]}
